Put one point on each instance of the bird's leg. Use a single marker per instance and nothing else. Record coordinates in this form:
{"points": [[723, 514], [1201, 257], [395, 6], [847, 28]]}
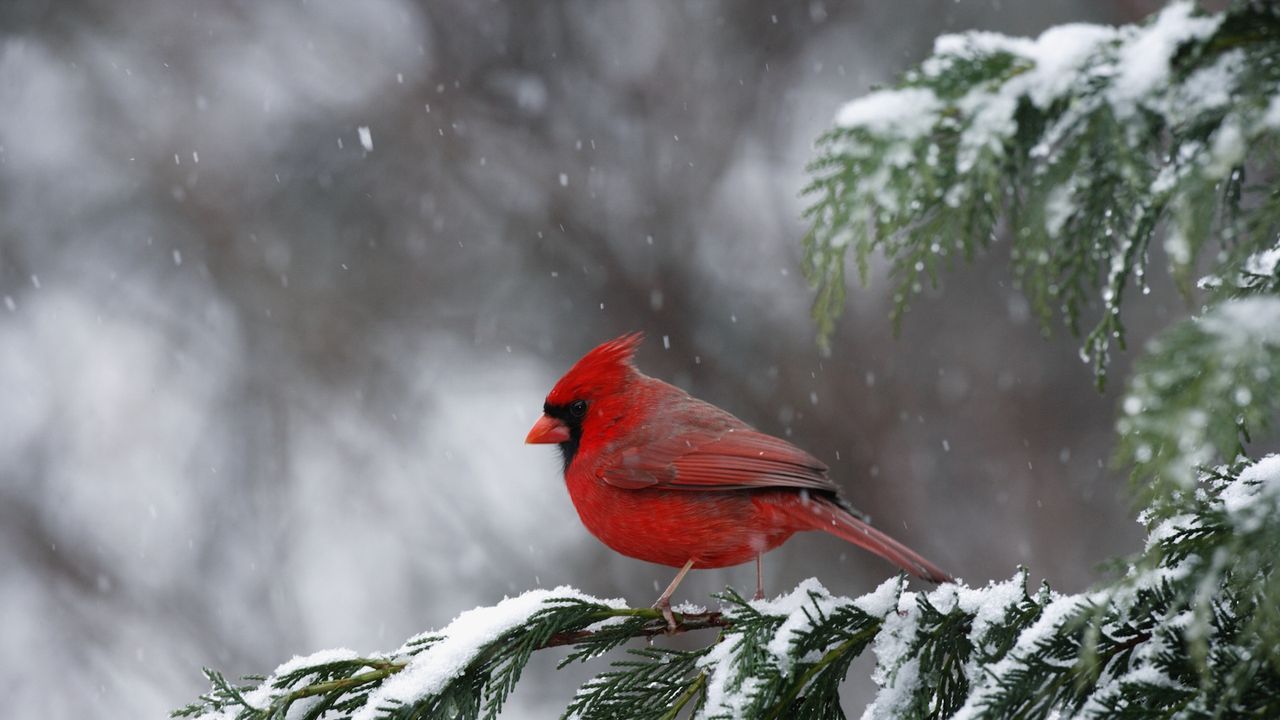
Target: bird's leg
{"points": [[664, 600], [759, 578]]}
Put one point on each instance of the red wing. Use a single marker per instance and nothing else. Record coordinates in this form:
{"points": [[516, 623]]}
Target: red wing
{"points": [[735, 459]]}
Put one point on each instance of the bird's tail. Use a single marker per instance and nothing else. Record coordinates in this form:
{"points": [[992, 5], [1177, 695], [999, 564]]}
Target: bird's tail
{"points": [[827, 516]]}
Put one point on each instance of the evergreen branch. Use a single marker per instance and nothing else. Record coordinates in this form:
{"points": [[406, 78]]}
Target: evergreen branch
{"points": [[1084, 157], [1203, 389], [690, 693], [479, 687], [1192, 627], [647, 684], [685, 622], [853, 645]]}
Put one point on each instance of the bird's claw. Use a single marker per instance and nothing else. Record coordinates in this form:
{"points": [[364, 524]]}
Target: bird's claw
{"points": [[759, 595], [672, 625]]}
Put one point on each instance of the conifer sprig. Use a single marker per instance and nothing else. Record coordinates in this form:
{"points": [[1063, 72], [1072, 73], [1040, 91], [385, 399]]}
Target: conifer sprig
{"points": [[471, 679], [1078, 146]]}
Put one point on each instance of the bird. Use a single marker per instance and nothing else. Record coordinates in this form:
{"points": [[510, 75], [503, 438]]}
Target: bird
{"points": [[661, 476]]}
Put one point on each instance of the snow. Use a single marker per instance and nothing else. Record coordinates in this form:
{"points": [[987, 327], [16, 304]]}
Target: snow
{"points": [[905, 113], [688, 608], [1132, 405], [1059, 53], [366, 137], [1056, 55], [989, 604], [1058, 207], [992, 122], [1263, 263], [1169, 527], [895, 673], [1131, 63], [1143, 60], [798, 609], [430, 670], [1255, 495], [721, 700], [1245, 323], [1227, 149], [322, 657], [1209, 87], [1054, 614], [881, 601], [1055, 58]]}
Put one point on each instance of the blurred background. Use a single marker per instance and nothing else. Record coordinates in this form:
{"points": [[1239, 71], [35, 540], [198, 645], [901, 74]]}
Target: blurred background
{"points": [[284, 285]]}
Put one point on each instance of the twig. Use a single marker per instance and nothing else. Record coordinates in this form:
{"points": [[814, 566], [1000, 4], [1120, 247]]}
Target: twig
{"points": [[685, 622]]}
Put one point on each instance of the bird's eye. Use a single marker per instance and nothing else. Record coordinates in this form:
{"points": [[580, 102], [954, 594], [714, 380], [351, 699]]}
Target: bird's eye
{"points": [[578, 408]]}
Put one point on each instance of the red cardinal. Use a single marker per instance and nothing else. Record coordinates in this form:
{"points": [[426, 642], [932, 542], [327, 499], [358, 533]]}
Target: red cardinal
{"points": [[661, 476]]}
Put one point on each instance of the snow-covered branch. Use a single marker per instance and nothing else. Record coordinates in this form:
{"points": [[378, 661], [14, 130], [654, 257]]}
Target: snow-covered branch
{"points": [[466, 669], [1079, 145], [1188, 609]]}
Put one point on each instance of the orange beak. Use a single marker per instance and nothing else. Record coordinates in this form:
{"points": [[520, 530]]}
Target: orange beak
{"points": [[547, 430]]}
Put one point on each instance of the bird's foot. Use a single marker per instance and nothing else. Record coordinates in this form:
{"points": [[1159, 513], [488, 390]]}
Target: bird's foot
{"points": [[665, 607], [759, 594]]}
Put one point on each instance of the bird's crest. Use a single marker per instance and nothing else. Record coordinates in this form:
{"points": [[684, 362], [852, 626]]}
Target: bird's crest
{"points": [[604, 368]]}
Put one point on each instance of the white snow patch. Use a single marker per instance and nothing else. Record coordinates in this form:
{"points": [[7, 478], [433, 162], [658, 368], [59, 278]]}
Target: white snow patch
{"points": [[430, 670], [990, 604], [1144, 59], [992, 122], [322, 657], [1227, 150], [1055, 613], [1254, 495], [689, 608], [262, 695], [1177, 245], [1245, 322], [1059, 53], [796, 607], [1056, 58], [1263, 263], [1209, 87], [366, 137], [882, 600], [1169, 527], [906, 113], [1058, 207], [897, 674], [720, 700]]}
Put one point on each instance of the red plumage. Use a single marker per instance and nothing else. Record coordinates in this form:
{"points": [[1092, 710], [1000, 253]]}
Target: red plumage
{"points": [[664, 477]]}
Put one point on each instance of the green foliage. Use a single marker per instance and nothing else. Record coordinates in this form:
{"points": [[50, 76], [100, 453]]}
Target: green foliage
{"points": [[1197, 397], [650, 684], [1077, 162], [323, 688]]}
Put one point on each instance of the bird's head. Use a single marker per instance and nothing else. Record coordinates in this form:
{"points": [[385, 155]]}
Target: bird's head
{"points": [[585, 392]]}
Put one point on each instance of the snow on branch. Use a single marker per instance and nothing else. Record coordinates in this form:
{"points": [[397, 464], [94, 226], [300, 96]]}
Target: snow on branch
{"points": [[1079, 144], [467, 669], [1186, 610]]}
